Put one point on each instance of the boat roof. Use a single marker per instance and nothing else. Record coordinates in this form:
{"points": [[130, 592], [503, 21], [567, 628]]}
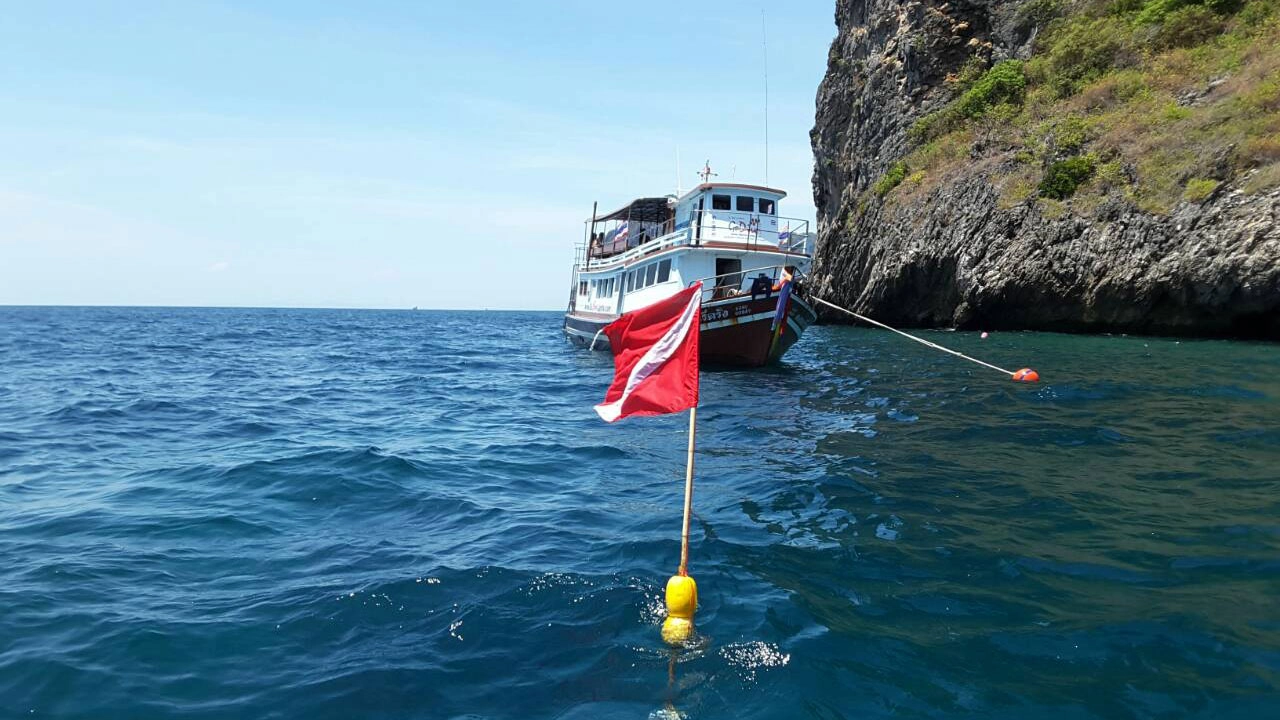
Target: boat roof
{"points": [[658, 209], [650, 209], [734, 186]]}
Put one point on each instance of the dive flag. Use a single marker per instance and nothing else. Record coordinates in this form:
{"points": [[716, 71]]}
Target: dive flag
{"points": [[655, 358]]}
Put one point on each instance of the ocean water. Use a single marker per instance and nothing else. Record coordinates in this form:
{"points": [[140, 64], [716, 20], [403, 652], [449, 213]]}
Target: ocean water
{"points": [[226, 513]]}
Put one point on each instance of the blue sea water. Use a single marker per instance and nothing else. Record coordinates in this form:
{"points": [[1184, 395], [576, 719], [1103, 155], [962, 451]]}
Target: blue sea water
{"points": [[227, 513]]}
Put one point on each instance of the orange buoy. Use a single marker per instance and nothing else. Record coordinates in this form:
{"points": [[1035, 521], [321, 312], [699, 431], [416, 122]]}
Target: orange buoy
{"points": [[1026, 375]]}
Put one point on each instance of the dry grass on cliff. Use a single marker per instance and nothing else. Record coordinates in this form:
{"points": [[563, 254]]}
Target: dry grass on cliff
{"points": [[1162, 101]]}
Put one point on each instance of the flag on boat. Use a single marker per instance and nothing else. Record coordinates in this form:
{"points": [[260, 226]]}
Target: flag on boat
{"points": [[784, 303], [655, 358], [779, 324]]}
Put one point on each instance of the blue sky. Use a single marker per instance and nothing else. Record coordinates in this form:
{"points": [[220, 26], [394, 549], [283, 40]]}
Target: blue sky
{"points": [[373, 154]]}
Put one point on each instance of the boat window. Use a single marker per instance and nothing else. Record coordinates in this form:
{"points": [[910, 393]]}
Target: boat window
{"points": [[582, 287], [720, 202], [631, 281], [728, 276], [664, 271], [650, 274], [746, 203], [766, 206]]}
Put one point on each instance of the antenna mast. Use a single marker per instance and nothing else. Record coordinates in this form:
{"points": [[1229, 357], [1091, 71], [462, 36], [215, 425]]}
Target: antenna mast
{"points": [[677, 171], [764, 44]]}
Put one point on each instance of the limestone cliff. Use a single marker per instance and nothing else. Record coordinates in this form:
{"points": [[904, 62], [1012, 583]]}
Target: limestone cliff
{"points": [[999, 164]]}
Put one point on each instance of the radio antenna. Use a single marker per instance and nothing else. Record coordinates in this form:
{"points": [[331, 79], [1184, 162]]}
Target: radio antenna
{"points": [[764, 44], [677, 171]]}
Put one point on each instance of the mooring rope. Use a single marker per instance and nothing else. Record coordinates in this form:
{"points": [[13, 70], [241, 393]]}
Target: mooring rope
{"points": [[922, 341], [595, 338]]}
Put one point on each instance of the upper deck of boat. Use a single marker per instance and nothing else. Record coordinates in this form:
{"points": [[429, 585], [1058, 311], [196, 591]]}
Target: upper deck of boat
{"points": [[722, 216]]}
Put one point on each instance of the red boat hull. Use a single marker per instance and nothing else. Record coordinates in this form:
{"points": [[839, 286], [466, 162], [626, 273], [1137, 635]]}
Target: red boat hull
{"points": [[737, 331]]}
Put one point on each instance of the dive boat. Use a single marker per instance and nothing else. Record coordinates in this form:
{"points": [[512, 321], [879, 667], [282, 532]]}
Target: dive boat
{"points": [[751, 263]]}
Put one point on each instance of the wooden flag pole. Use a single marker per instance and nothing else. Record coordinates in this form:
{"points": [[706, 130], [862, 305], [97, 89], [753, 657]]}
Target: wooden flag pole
{"points": [[682, 591], [688, 494]]}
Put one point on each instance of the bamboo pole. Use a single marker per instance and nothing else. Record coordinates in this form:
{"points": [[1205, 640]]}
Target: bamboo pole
{"points": [[688, 494]]}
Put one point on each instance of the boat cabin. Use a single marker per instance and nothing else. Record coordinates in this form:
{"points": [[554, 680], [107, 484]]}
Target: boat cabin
{"points": [[730, 212]]}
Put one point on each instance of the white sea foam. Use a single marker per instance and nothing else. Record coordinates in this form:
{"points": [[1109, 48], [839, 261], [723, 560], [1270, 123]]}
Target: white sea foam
{"points": [[751, 657]]}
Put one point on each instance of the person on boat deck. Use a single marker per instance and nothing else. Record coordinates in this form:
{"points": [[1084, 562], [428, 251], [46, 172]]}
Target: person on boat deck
{"points": [[761, 286]]}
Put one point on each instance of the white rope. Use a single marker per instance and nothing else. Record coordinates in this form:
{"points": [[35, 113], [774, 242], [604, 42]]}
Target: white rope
{"points": [[596, 337], [922, 341]]}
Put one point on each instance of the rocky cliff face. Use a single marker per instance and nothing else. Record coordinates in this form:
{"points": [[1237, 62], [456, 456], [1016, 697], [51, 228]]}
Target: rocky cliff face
{"points": [[957, 252]]}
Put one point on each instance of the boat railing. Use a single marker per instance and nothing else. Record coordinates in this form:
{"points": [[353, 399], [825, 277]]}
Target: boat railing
{"points": [[737, 284], [770, 231], [792, 236], [643, 249]]}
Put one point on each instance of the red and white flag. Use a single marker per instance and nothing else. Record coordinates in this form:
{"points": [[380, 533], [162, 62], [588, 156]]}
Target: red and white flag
{"points": [[655, 358]]}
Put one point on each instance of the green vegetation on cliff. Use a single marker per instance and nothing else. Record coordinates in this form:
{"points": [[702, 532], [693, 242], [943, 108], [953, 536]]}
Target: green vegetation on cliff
{"points": [[1003, 84], [1162, 101], [891, 179]]}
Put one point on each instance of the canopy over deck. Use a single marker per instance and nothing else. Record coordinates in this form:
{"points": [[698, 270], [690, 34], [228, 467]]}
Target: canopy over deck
{"points": [[653, 209]]}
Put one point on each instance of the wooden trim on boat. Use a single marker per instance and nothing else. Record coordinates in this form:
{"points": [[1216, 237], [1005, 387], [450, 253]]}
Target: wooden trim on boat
{"points": [[705, 245], [753, 247], [733, 186]]}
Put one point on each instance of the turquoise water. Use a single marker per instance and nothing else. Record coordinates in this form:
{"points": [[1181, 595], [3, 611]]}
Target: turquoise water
{"points": [[333, 514]]}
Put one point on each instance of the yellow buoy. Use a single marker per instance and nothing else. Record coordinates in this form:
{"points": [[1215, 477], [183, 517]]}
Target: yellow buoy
{"points": [[682, 601]]}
